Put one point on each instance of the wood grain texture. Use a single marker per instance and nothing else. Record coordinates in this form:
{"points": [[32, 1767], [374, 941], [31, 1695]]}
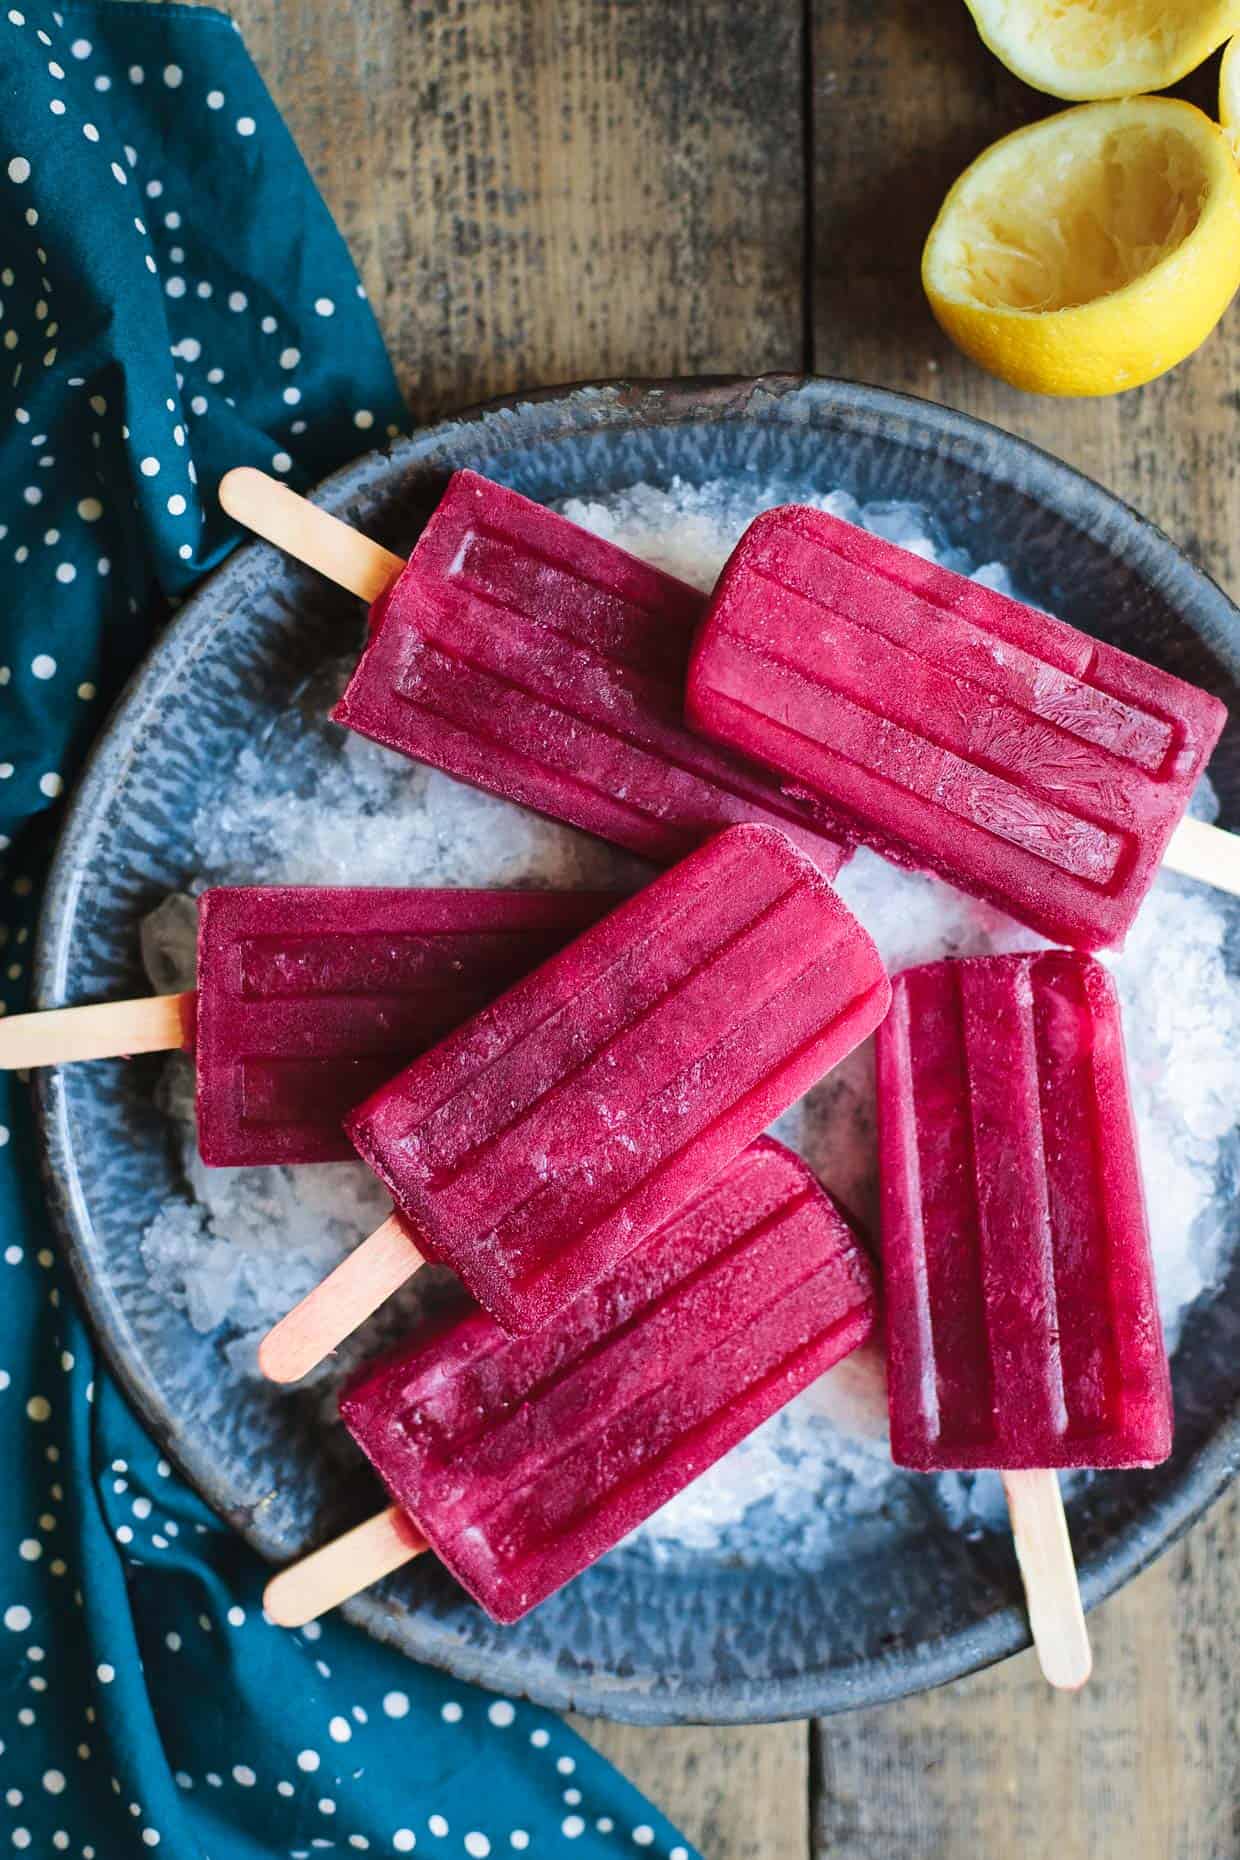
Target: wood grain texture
{"points": [[1143, 1763], [737, 1794], [540, 193]]}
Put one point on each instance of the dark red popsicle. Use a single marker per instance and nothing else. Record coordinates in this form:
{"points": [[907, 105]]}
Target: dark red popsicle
{"points": [[543, 1141], [948, 726], [1022, 1319], [530, 658], [522, 1460], [310, 996]]}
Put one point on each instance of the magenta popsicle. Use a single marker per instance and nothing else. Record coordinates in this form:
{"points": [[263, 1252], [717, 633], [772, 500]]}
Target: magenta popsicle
{"points": [[310, 996], [522, 1460], [530, 658], [950, 727], [1022, 1320], [542, 1142]]}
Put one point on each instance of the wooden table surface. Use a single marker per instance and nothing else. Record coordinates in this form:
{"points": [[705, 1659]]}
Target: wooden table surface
{"points": [[542, 191]]}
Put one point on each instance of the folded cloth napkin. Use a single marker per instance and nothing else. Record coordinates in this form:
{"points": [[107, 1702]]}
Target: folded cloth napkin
{"points": [[176, 300]]}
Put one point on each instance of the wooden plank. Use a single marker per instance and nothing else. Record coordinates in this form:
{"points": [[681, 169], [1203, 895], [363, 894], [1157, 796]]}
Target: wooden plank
{"points": [[1144, 1762], [550, 193], [904, 95], [736, 1794]]}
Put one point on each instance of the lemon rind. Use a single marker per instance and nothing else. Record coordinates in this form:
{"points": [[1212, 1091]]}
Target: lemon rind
{"points": [[1123, 79], [1121, 338], [1229, 93]]}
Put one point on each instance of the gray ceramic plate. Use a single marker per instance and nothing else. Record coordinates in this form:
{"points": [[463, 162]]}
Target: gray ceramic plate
{"points": [[891, 1613]]}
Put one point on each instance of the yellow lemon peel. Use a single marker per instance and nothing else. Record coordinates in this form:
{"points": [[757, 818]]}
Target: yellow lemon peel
{"points": [[1092, 251]]}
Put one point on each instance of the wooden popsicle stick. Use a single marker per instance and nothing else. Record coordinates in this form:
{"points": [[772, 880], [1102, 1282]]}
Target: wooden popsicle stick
{"points": [[1211, 854], [1048, 1570], [341, 1568], [339, 1303], [108, 1030], [301, 529]]}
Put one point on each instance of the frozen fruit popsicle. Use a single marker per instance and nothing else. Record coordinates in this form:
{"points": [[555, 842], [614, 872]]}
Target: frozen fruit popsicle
{"points": [[954, 729], [1022, 1320], [521, 1461], [308, 997], [540, 1143], [537, 1146], [528, 657]]}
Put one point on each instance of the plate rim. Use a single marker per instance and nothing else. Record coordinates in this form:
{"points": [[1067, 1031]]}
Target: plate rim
{"points": [[626, 403]]}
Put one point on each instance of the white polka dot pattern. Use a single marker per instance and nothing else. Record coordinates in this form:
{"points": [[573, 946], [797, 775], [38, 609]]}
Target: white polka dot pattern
{"points": [[153, 432]]}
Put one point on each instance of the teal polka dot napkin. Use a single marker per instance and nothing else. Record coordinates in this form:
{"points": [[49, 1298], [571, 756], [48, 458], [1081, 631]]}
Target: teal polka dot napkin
{"points": [[175, 300]]}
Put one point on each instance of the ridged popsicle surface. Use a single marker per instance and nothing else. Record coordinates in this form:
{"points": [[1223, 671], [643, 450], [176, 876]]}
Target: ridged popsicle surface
{"points": [[948, 726], [309, 997], [528, 657], [544, 1140], [1022, 1317], [524, 1459]]}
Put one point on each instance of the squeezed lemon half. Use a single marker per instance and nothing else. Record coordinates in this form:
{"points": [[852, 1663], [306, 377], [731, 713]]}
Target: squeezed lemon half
{"points": [[1092, 251], [1083, 49]]}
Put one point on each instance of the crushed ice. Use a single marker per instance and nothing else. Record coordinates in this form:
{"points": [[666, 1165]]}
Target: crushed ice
{"points": [[313, 804]]}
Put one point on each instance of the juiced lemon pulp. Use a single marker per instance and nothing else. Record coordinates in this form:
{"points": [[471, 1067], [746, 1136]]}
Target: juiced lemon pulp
{"points": [[1092, 251]]}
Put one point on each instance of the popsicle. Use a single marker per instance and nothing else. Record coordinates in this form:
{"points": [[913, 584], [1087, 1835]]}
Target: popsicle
{"points": [[954, 729], [308, 997], [520, 1461], [528, 657], [544, 1140], [1022, 1322]]}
